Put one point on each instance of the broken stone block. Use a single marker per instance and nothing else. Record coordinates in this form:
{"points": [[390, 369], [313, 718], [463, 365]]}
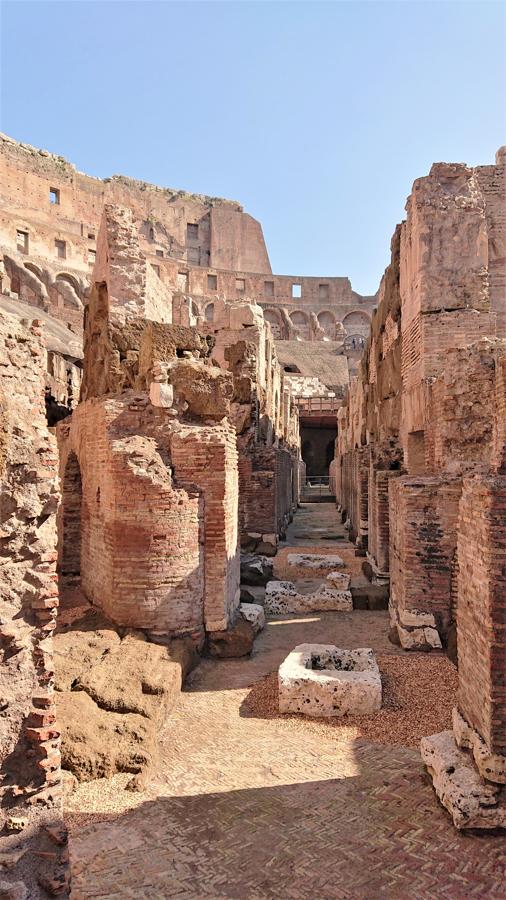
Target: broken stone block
{"points": [[414, 619], [419, 638], [282, 597], [314, 561], [255, 570], [253, 613], [339, 580], [161, 394], [323, 680], [236, 641], [491, 766], [206, 389], [471, 801]]}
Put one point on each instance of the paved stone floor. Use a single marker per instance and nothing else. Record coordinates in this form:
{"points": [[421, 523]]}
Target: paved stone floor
{"points": [[249, 807]]}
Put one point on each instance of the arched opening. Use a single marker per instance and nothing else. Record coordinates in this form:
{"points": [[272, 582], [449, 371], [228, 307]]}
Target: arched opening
{"points": [[209, 312], [70, 533], [34, 269], [357, 323], [64, 276], [301, 321], [354, 343], [327, 321], [274, 319]]}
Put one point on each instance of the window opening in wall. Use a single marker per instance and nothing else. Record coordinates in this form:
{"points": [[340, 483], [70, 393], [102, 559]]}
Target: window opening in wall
{"points": [[323, 291], [292, 368], [296, 291], [192, 231], [91, 257], [159, 252], [240, 285], [416, 453], [156, 269], [212, 282], [60, 249], [54, 196], [91, 236], [209, 312], [22, 241], [269, 288], [182, 281], [151, 234]]}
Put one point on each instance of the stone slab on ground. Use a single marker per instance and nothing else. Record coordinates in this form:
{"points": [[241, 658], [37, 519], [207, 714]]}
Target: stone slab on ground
{"points": [[282, 597], [315, 561], [324, 680]]}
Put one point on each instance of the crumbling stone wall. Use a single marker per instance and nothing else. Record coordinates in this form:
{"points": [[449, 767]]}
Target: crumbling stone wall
{"points": [[156, 457], [265, 417], [424, 398], [29, 739]]}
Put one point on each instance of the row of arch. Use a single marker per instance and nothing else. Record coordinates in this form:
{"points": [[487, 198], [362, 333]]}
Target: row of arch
{"points": [[356, 322]]}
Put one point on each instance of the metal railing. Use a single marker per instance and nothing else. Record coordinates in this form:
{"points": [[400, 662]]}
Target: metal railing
{"points": [[317, 488], [318, 405]]}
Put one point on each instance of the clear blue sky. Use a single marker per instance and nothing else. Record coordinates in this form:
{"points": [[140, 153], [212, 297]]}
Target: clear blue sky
{"points": [[316, 116]]}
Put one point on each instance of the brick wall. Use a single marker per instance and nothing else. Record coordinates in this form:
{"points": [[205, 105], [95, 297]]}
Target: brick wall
{"points": [[207, 457], [141, 539], [481, 616], [423, 539]]}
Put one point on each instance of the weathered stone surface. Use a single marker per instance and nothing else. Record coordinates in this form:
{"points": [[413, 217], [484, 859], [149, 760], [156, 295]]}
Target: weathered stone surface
{"points": [[97, 743], [314, 561], [253, 613], [419, 638], [121, 685], [471, 801], [207, 390], [322, 680], [236, 641], [255, 570], [282, 597], [339, 580], [491, 766], [13, 890]]}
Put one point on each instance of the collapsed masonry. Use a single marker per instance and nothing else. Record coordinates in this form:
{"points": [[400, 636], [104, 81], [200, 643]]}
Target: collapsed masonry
{"points": [[421, 460], [149, 459], [150, 514]]}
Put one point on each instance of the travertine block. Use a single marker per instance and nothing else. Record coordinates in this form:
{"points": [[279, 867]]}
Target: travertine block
{"points": [[314, 561], [323, 680], [491, 766], [471, 801], [282, 597]]}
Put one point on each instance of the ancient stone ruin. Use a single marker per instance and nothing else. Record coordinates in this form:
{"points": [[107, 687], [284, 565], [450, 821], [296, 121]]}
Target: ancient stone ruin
{"points": [[322, 680], [174, 422]]}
